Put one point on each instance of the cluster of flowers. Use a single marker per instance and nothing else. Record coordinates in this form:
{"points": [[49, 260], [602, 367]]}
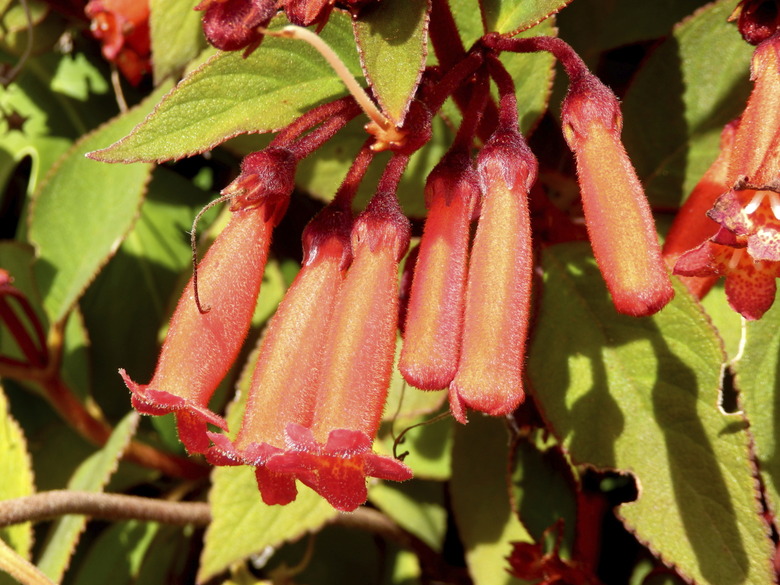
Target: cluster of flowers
{"points": [[324, 366], [122, 26], [730, 224]]}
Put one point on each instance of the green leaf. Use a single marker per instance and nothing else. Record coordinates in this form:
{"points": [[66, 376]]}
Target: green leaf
{"points": [[49, 97], [594, 26], [469, 26], [480, 499], [91, 476], [243, 525], [512, 16], [726, 320], [393, 40], [16, 471], [641, 396], [116, 555], [692, 84], [416, 506], [758, 380], [176, 36], [232, 95], [544, 489], [82, 212]]}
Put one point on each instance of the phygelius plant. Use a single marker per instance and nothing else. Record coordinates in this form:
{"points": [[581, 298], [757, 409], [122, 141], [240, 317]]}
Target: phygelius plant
{"points": [[312, 414], [444, 271]]}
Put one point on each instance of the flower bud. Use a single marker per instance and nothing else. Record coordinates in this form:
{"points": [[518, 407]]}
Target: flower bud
{"points": [[490, 370], [434, 319], [756, 154], [618, 218]]}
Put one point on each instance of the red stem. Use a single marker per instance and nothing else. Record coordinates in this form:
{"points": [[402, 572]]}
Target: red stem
{"points": [[507, 108], [449, 50], [36, 357], [573, 64], [349, 186], [311, 118]]}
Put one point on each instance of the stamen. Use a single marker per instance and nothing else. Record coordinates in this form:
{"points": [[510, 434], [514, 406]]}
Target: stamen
{"points": [[755, 202], [774, 201], [735, 258]]}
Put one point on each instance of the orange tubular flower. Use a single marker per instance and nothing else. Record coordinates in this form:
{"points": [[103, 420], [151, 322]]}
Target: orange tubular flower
{"points": [[434, 320], [756, 153], [490, 370], [201, 346], [692, 226], [123, 28], [283, 390], [334, 456], [620, 225]]}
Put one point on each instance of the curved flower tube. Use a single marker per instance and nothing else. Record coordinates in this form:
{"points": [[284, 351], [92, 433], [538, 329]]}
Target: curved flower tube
{"points": [[202, 345], [691, 225]]}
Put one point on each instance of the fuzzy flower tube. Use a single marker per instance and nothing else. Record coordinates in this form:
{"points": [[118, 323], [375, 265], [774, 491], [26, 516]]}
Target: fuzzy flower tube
{"points": [[620, 224], [201, 344], [334, 455], [283, 390]]}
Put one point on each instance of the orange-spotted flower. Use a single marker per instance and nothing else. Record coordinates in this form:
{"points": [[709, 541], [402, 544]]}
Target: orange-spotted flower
{"points": [[750, 283], [746, 247]]}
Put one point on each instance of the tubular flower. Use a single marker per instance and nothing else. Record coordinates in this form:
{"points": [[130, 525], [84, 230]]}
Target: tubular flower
{"points": [[746, 249], [123, 28], [202, 345], [618, 218], [283, 390], [334, 455], [498, 294], [434, 319], [691, 225], [756, 154]]}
